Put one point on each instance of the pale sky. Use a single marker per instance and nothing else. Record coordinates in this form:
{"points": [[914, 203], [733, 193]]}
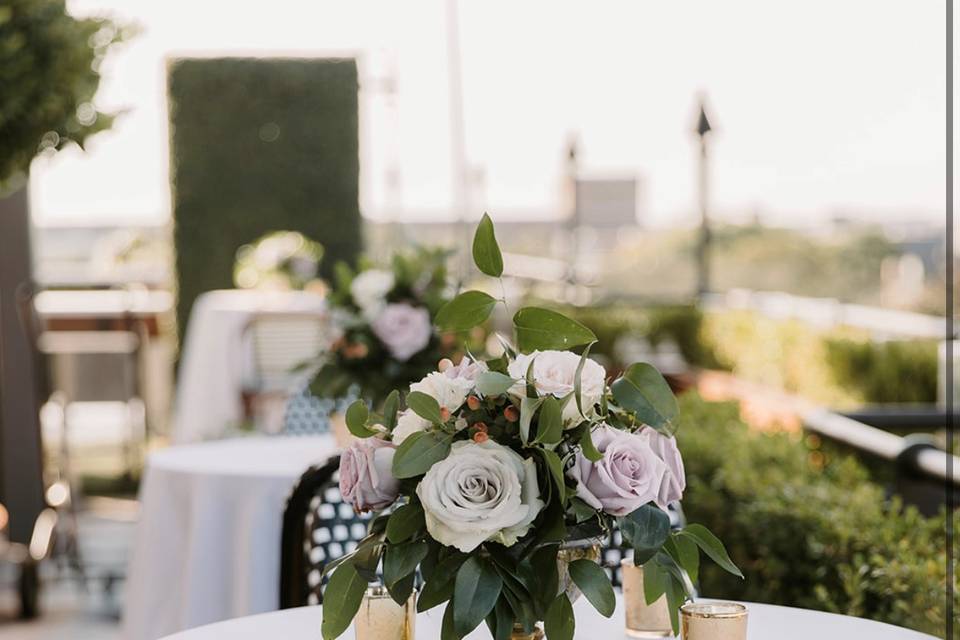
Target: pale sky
{"points": [[821, 107]]}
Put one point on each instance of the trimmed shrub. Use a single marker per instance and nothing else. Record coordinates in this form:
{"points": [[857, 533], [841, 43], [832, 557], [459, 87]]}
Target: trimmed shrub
{"points": [[807, 530], [902, 371], [259, 145]]}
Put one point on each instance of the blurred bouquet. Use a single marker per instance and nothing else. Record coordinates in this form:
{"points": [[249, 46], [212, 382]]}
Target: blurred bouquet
{"points": [[281, 260], [383, 319], [494, 466]]}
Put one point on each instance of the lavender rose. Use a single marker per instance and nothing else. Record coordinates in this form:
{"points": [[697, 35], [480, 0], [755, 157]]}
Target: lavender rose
{"points": [[366, 479], [629, 475], [675, 481], [403, 329]]}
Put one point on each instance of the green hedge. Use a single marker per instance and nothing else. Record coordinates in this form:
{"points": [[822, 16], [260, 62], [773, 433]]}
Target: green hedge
{"points": [[902, 371], [808, 530], [259, 145]]}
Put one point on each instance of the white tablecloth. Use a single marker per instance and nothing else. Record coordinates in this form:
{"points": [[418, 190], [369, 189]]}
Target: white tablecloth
{"points": [[215, 359], [765, 622], [207, 545]]}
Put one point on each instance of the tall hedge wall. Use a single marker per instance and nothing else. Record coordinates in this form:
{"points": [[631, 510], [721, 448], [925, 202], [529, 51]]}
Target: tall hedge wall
{"points": [[258, 145]]}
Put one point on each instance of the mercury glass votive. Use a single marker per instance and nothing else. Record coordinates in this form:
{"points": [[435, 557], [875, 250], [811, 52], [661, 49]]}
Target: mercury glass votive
{"points": [[713, 621], [380, 618], [643, 620]]}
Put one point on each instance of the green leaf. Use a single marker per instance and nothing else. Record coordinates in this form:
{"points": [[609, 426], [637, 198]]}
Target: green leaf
{"points": [[424, 406], [711, 546], [684, 550], [595, 585], [504, 620], [439, 587], [528, 406], [401, 590], [342, 600], [543, 561], [590, 452], [645, 530], [486, 251], [654, 582], [550, 425], [404, 522], [491, 383], [390, 408], [559, 622], [581, 510], [475, 593], [401, 560], [357, 420], [542, 329], [675, 598], [467, 310], [555, 467], [419, 452], [447, 631], [577, 379], [643, 391]]}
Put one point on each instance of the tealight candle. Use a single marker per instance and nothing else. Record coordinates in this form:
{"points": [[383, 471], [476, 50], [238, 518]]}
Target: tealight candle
{"points": [[380, 618], [713, 621], [643, 620]]}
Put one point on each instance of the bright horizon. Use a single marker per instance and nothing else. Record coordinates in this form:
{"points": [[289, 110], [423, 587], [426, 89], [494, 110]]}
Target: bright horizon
{"points": [[832, 108]]}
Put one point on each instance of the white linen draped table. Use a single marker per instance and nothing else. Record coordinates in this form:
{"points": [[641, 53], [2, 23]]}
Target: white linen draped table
{"points": [[765, 622], [215, 358], [207, 544]]}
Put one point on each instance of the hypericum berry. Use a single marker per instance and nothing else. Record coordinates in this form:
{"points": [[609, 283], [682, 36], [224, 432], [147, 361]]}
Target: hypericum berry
{"points": [[473, 402], [511, 413], [444, 364], [480, 437], [480, 426], [444, 413]]}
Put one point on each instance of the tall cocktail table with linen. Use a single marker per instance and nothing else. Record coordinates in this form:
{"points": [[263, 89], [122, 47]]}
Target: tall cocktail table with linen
{"points": [[215, 357], [766, 622], [207, 544]]}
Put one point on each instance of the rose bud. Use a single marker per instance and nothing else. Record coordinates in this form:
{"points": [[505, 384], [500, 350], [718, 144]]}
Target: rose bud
{"points": [[473, 402], [444, 413], [480, 437], [444, 364], [511, 413]]}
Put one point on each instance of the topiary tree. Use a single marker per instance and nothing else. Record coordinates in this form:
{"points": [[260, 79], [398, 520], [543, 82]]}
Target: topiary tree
{"points": [[49, 72]]}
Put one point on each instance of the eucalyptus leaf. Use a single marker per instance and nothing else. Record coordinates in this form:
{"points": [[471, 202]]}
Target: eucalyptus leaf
{"points": [[543, 329], [595, 585], [654, 582], [467, 310], [439, 587], [642, 390], [475, 593], [401, 560], [343, 597], [390, 408], [419, 452], [491, 383], [559, 622], [486, 251], [550, 425], [555, 467], [711, 546], [404, 522], [581, 510], [528, 407], [577, 378], [645, 530], [424, 406], [590, 452], [356, 419]]}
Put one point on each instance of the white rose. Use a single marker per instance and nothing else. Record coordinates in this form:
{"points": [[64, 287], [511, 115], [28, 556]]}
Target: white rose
{"points": [[408, 423], [369, 288], [555, 373], [451, 386], [403, 329], [481, 491]]}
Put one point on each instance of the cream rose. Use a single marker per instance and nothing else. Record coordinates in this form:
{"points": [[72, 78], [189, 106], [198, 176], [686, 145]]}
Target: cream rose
{"points": [[408, 423], [555, 373], [369, 289], [481, 491], [451, 386]]}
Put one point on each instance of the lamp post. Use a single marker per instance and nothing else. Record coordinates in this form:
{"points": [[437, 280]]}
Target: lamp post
{"points": [[703, 244]]}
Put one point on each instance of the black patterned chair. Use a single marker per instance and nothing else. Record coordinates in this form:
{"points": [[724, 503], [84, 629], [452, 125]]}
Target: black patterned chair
{"points": [[318, 527], [614, 550]]}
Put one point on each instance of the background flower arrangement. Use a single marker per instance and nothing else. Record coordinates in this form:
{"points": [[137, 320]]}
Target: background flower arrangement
{"points": [[385, 322], [493, 465], [279, 260]]}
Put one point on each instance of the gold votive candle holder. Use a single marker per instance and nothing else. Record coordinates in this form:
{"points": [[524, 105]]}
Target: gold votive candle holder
{"points": [[643, 620], [380, 618], [713, 621]]}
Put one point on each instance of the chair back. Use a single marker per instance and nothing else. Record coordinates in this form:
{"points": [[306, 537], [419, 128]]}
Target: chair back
{"points": [[318, 527], [281, 343]]}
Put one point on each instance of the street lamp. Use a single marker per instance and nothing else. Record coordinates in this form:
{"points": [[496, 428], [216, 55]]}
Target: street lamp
{"points": [[703, 245]]}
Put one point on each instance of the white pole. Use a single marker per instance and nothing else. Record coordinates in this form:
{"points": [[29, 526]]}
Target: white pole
{"points": [[458, 143]]}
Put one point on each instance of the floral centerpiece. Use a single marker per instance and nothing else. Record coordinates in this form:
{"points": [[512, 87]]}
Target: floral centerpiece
{"points": [[384, 321], [495, 465], [279, 260]]}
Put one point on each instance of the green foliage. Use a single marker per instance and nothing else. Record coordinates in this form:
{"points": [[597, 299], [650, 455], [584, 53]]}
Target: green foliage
{"points": [[879, 372], [486, 251], [805, 533], [259, 145], [542, 329], [49, 73], [643, 390], [467, 310]]}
